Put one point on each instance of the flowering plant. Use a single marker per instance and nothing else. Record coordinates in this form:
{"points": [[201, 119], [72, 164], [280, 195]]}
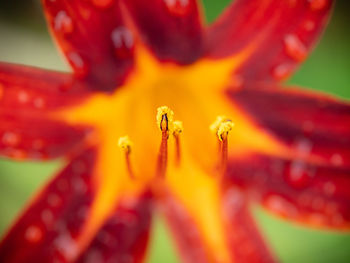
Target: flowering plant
{"points": [[284, 148]]}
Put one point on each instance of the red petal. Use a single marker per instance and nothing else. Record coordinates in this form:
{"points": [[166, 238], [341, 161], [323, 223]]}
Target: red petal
{"points": [[187, 235], [94, 39], [243, 241], [311, 194], [280, 34], [124, 237], [27, 95], [171, 28], [311, 124], [310, 181], [52, 226]]}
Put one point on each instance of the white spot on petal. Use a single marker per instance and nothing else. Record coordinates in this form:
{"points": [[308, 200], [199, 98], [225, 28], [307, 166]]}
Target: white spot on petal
{"points": [[337, 159], [39, 103], [23, 96], [67, 246], [63, 23], [33, 234], [294, 47], [10, 139], [122, 36]]}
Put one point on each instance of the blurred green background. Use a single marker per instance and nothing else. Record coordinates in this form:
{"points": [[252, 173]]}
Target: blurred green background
{"points": [[24, 39]]}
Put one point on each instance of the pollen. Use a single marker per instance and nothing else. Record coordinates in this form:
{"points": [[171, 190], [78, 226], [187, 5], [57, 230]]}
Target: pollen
{"points": [[165, 118], [125, 143], [165, 121], [221, 127], [224, 128], [178, 128], [214, 127]]}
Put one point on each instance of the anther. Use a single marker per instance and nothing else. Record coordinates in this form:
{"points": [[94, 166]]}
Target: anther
{"points": [[222, 126], [214, 127], [165, 117], [125, 145], [178, 128]]}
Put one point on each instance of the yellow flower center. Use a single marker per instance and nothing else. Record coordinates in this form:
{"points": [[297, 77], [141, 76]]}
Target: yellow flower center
{"points": [[196, 95]]}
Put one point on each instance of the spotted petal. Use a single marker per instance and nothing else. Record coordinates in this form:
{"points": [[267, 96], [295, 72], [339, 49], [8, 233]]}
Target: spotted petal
{"points": [[55, 225], [274, 35], [94, 39], [310, 178], [211, 223], [124, 237], [170, 28], [27, 98]]}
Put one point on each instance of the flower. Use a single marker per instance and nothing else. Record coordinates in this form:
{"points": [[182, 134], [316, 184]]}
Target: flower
{"points": [[284, 148]]}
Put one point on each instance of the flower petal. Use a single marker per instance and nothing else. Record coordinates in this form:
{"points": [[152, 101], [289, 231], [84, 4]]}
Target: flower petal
{"points": [[309, 181], [244, 239], [124, 237], [277, 34], [54, 225], [311, 124], [27, 97], [170, 28], [210, 223], [94, 39], [311, 194], [244, 242]]}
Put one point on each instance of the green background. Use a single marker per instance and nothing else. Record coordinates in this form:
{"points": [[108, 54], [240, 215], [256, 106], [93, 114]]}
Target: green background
{"points": [[24, 39]]}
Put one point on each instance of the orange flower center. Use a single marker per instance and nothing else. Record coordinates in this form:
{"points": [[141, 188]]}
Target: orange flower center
{"points": [[196, 95]]}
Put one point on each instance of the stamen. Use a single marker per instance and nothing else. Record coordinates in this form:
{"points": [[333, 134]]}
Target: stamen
{"points": [[165, 117], [125, 144], [222, 126], [178, 128], [224, 129], [214, 127]]}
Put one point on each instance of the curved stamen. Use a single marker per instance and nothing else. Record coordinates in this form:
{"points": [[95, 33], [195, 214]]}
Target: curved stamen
{"points": [[125, 144], [165, 118], [178, 128], [222, 126], [222, 133], [214, 127]]}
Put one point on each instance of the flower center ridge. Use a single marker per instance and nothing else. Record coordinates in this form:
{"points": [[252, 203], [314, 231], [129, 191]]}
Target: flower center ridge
{"points": [[183, 156], [130, 111], [165, 121]]}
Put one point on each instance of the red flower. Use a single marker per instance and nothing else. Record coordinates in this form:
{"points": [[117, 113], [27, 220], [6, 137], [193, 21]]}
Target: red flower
{"points": [[289, 149]]}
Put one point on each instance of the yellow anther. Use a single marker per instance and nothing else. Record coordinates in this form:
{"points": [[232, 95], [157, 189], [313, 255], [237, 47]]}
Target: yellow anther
{"points": [[221, 127], [224, 128], [214, 127], [165, 121], [165, 118], [178, 127], [125, 143]]}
